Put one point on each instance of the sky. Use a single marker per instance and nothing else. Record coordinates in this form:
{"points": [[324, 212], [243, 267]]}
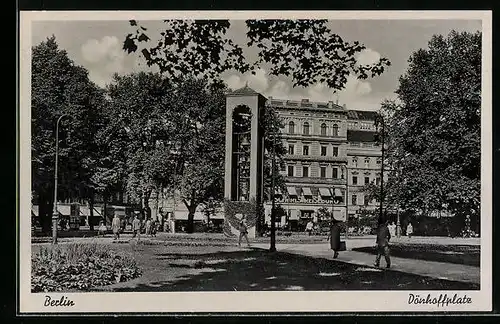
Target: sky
{"points": [[97, 45]]}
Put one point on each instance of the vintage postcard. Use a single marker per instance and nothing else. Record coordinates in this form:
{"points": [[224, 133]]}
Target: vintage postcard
{"points": [[255, 162]]}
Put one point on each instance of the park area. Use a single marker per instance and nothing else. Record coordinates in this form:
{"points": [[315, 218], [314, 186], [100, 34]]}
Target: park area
{"points": [[216, 263]]}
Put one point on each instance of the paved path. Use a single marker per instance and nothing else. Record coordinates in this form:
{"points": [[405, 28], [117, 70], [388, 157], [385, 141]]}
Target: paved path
{"points": [[439, 270]]}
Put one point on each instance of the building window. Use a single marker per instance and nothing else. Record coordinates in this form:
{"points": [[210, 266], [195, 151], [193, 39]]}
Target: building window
{"points": [[323, 151], [335, 173], [355, 162], [335, 151], [335, 130], [306, 128], [365, 200], [367, 162], [323, 129], [291, 150], [354, 199], [291, 127], [323, 172], [354, 180], [367, 180], [290, 170], [378, 161], [377, 181], [305, 172], [305, 150]]}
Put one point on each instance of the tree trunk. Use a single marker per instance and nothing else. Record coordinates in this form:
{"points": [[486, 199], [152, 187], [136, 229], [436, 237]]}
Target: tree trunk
{"points": [[105, 207], [190, 223], [45, 213], [191, 210], [91, 207]]}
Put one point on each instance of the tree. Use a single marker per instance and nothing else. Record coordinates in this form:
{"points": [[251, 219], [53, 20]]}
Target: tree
{"points": [[305, 50], [199, 110], [434, 131], [138, 136], [61, 87]]}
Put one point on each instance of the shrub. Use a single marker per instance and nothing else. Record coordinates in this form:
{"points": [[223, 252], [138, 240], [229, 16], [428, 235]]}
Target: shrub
{"points": [[79, 267]]}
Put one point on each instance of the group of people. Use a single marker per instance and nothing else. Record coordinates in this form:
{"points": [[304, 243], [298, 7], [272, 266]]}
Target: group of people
{"points": [[149, 227], [384, 234], [392, 229]]}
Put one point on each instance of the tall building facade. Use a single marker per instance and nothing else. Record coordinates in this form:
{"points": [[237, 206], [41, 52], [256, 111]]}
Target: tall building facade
{"points": [[332, 155]]}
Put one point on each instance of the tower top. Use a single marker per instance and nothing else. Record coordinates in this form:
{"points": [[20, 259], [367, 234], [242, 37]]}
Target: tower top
{"points": [[245, 91]]}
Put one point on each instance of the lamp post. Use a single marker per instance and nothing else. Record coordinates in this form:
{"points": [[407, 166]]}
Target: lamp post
{"points": [[272, 248], [55, 213], [398, 224], [380, 119], [346, 201]]}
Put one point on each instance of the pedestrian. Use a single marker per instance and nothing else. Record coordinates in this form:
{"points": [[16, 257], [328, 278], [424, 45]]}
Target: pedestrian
{"points": [[123, 225], [383, 238], [116, 226], [392, 229], [309, 227], [243, 227], [102, 229], [136, 228], [153, 227], [334, 238], [409, 230], [148, 227]]}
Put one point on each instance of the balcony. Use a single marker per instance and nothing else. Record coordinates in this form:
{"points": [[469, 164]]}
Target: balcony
{"points": [[315, 180], [315, 158], [314, 137]]}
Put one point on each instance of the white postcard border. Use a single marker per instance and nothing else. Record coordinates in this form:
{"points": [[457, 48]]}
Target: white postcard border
{"points": [[256, 301]]}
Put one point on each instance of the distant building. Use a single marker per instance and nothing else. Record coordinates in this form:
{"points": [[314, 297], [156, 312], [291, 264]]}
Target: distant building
{"points": [[331, 152], [331, 156]]}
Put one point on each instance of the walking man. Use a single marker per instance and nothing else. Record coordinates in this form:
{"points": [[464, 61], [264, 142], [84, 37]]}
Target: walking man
{"points": [[409, 230], [148, 227], [136, 228], [309, 227], [335, 238], [383, 238], [243, 227], [115, 226]]}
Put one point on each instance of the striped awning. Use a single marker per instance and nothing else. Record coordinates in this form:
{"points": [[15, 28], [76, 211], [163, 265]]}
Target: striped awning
{"points": [[325, 192], [338, 193], [307, 191], [291, 191]]}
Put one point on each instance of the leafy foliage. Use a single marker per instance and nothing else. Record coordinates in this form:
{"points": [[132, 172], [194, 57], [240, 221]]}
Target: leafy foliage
{"points": [[306, 50], [59, 87], [246, 208], [80, 267], [434, 132]]}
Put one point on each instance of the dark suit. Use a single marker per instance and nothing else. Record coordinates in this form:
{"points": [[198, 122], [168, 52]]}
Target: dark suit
{"points": [[383, 238], [335, 237]]}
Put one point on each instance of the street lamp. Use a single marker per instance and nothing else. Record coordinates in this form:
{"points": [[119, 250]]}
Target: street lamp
{"points": [[272, 248], [381, 135], [346, 201], [55, 213]]}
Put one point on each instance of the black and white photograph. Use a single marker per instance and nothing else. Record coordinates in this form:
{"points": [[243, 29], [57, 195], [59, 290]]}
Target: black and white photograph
{"points": [[255, 162]]}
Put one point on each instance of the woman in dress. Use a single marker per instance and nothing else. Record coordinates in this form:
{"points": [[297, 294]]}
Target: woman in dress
{"points": [[335, 238], [243, 227]]}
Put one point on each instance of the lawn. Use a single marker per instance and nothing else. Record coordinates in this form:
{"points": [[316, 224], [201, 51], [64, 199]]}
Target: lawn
{"points": [[459, 254], [194, 268]]}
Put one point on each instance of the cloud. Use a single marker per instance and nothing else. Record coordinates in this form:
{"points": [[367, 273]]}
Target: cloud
{"points": [[259, 82], [357, 94], [368, 57], [104, 57]]}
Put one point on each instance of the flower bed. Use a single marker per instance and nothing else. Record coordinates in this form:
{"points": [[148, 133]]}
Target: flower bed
{"points": [[79, 267]]}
